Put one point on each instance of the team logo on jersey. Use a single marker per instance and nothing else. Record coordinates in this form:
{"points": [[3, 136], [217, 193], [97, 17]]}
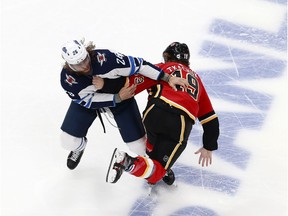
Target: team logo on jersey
{"points": [[70, 80], [138, 80], [165, 158], [101, 58]]}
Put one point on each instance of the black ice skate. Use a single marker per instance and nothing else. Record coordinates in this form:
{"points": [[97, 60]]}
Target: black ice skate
{"points": [[120, 161], [74, 158], [169, 177]]}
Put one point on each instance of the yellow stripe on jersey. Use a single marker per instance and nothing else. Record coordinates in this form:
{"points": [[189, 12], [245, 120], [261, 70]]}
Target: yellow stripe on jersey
{"points": [[208, 119], [147, 111], [158, 90], [181, 138], [179, 107]]}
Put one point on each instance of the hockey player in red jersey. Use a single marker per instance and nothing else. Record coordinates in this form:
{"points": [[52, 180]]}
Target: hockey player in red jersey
{"points": [[168, 119]]}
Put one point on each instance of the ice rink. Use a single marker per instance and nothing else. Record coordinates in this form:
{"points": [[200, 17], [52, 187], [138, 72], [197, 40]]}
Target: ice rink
{"points": [[239, 49]]}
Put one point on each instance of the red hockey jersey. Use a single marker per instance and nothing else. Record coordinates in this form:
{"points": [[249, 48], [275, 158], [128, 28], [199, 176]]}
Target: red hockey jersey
{"points": [[194, 102]]}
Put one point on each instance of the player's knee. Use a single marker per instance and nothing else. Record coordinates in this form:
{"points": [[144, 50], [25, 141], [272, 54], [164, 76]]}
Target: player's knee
{"points": [[72, 143]]}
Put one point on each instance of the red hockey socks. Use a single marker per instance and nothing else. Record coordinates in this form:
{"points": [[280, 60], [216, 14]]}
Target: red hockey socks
{"points": [[149, 169], [157, 174], [143, 167]]}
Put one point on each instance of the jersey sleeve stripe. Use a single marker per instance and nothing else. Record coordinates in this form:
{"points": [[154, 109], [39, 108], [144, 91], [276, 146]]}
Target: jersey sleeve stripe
{"points": [[140, 61], [203, 121], [132, 64]]}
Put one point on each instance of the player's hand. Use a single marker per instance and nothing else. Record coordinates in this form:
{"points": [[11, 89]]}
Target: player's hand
{"points": [[205, 157], [98, 82], [127, 91], [173, 81]]}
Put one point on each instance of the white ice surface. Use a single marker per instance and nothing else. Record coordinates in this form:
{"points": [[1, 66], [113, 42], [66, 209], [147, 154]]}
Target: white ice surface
{"points": [[34, 177]]}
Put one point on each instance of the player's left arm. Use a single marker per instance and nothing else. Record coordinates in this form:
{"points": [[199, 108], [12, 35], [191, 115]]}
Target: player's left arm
{"points": [[210, 126], [209, 121]]}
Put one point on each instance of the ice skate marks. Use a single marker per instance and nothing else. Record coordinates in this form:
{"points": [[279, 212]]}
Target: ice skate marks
{"points": [[249, 65]]}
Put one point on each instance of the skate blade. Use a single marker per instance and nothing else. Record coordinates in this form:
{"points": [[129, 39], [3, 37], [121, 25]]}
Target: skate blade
{"points": [[111, 173]]}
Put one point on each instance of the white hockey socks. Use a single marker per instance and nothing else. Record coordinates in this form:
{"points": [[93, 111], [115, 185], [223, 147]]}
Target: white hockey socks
{"points": [[72, 143], [138, 146]]}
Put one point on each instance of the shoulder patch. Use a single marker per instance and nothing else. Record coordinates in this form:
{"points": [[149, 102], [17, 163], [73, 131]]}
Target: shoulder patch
{"points": [[101, 58], [70, 80]]}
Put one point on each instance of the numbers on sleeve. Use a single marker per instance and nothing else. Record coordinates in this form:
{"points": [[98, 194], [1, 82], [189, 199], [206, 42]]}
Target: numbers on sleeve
{"points": [[120, 58], [120, 61], [193, 88]]}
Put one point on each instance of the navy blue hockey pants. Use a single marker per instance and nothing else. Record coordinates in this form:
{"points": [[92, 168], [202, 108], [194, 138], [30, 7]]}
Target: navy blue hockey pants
{"points": [[78, 120]]}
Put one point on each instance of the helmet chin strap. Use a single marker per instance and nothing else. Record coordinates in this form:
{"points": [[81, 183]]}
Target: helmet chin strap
{"points": [[72, 68]]}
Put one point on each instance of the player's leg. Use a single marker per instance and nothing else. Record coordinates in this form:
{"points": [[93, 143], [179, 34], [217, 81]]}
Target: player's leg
{"points": [[166, 137], [74, 128], [129, 122], [154, 168], [168, 133], [140, 166]]}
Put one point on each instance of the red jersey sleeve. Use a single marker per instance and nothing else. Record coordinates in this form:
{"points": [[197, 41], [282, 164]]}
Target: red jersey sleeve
{"points": [[208, 119], [204, 102], [141, 82]]}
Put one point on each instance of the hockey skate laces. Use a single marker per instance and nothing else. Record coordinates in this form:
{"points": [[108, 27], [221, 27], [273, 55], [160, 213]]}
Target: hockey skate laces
{"points": [[75, 155]]}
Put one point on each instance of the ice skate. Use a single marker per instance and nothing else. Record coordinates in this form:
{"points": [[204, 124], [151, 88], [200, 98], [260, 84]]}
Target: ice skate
{"points": [[74, 159], [120, 161], [75, 156], [169, 177]]}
